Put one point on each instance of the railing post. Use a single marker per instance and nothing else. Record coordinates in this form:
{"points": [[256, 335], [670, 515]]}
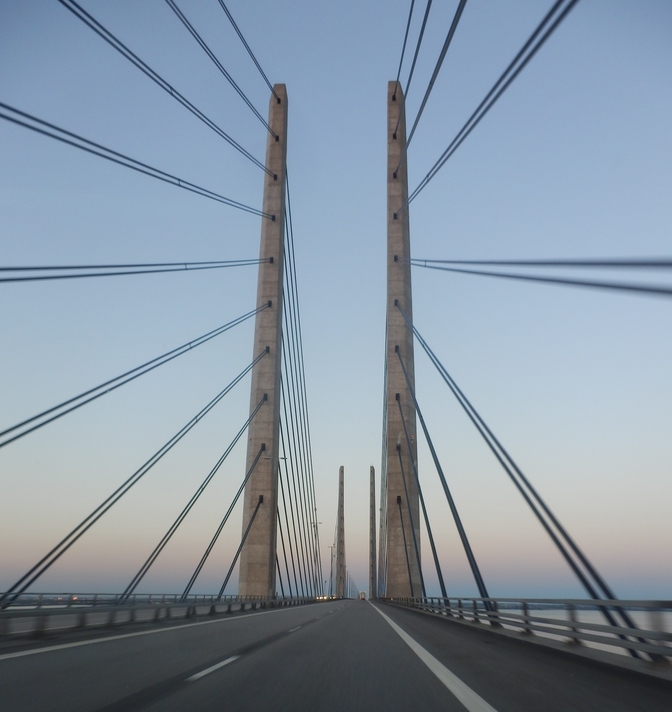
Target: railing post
{"points": [[40, 626], [657, 625], [571, 611], [527, 630], [493, 615]]}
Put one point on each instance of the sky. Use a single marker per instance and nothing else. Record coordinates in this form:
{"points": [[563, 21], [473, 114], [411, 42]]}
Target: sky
{"points": [[574, 161]]}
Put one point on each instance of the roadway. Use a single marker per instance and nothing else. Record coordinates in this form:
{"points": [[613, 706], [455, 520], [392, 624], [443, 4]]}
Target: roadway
{"points": [[333, 656]]}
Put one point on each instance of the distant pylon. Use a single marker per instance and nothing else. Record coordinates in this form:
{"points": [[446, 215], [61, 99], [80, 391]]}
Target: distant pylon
{"points": [[402, 504], [340, 540], [257, 561], [373, 585]]}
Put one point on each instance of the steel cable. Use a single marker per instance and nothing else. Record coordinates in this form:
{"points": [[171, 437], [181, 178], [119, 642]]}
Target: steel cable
{"points": [[294, 309], [478, 578], [289, 539], [50, 558], [190, 504], [297, 449], [501, 454], [294, 464], [173, 6], [249, 50], [610, 286], [225, 519], [158, 268], [114, 383], [410, 77], [114, 42], [597, 263], [411, 522], [72, 139], [277, 566], [284, 550], [403, 532], [403, 48], [240, 548], [435, 74], [382, 529], [500, 86], [293, 505], [430, 535]]}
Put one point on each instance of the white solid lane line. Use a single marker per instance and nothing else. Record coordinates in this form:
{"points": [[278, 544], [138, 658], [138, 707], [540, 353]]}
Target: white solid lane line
{"points": [[464, 693], [64, 646], [207, 671], [291, 630]]}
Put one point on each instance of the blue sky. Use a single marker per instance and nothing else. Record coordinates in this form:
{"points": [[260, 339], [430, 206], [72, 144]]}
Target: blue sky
{"points": [[574, 161]]}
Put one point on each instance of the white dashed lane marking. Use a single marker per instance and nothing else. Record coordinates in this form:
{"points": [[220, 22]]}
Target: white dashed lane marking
{"points": [[207, 671]]}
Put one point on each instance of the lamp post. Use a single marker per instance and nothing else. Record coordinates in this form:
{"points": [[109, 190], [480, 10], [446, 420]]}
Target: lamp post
{"points": [[316, 558], [331, 572]]}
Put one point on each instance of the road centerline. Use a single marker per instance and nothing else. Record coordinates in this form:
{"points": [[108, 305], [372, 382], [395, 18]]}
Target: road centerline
{"points": [[471, 700]]}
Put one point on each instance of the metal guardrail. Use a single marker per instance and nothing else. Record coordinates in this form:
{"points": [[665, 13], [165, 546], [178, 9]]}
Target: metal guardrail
{"points": [[39, 613], [651, 640], [40, 600]]}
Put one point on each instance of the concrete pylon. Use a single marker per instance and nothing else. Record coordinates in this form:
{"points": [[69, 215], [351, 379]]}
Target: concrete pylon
{"points": [[340, 540], [403, 574], [257, 561], [373, 578]]}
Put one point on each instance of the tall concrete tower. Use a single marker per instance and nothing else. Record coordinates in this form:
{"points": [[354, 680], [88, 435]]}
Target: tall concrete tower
{"points": [[373, 577], [403, 574], [257, 561], [340, 539]]}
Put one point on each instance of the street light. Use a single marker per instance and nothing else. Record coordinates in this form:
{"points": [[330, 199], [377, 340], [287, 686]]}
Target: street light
{"points": [[316, 551], [331, 572]]}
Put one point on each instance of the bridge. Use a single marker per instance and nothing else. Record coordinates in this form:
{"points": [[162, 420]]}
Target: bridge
{"points": [[162, 542]]}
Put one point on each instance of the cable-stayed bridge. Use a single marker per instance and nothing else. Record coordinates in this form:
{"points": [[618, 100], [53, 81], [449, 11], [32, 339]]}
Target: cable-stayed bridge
{"points": [[228, 599]]}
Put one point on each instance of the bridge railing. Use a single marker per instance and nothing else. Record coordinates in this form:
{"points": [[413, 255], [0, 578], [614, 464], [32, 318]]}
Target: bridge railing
{"points": [[40, 613], [575, 624]]}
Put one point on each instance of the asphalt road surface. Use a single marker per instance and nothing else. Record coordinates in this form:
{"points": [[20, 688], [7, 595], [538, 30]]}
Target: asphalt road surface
{"points": [[332, 656]]}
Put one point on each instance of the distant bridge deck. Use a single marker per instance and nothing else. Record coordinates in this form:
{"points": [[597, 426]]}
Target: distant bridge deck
{"points": [[335, 655]]}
